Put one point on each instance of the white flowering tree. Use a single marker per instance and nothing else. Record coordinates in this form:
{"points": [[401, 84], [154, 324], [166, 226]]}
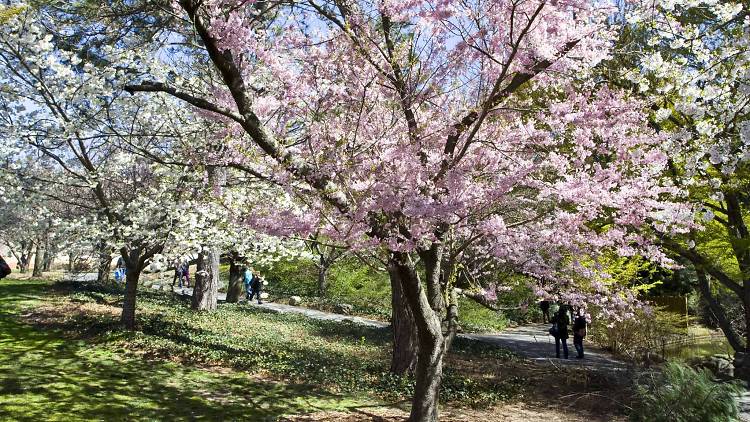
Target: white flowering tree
{"points": [[691, 60], [68, 109]]}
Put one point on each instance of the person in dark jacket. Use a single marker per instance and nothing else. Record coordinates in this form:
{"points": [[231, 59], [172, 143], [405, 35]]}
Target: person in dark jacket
{"points": [[544, 306], [561, 321], [579, 332], [256, 286]]}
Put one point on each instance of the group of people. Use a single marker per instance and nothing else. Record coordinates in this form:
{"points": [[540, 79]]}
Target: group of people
{"points": [[181, 274], [560, 321]]}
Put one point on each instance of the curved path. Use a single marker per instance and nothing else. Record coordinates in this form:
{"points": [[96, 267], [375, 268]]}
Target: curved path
{"points": [[530, 341]]}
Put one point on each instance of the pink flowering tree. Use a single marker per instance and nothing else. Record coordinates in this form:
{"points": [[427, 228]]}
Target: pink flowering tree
{"points": [[423, 128]]}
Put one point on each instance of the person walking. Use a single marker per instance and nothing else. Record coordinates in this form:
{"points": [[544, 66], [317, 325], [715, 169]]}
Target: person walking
{"points": [[559, 330], [257, 287], [247, 278], [579, 332], [544, 305], [120, 270], [186, 273], [177, 273]]}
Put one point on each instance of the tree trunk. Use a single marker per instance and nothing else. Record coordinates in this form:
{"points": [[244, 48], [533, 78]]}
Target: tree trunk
{"points": [[206, 289], [431, 344], [23, 263], [322, 277], [104, 266], [131, 289], [236, 286], [71, 261], [38, 260], [405, 348], [705, 289], [49, 256]]}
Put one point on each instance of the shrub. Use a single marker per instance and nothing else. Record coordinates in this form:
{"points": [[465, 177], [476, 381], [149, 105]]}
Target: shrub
{"points": [[644, 337], [682, 394]]}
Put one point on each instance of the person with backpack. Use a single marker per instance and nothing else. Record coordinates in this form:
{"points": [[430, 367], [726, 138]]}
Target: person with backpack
{"points": [[559, 330], [4, 268], [579, 332]]}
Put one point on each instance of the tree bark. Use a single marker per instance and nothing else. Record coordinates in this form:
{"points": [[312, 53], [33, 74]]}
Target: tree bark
{"points": [[48, 259], [236, 286], [131, 289], [323, 277], [38, 260], [71, 261], [104, 266], [405, 347], [425, 403], [733, 338], [206, 289]]}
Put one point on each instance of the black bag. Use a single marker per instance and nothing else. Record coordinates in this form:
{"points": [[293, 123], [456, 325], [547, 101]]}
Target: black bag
{"points": [[4, 268], [553, 330]]}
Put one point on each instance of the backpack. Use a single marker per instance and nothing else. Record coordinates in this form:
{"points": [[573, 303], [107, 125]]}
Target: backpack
{"points": [[553, 329], [4, 268]]}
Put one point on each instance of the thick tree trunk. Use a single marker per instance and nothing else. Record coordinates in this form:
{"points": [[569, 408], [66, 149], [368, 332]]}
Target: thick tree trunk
{"points": [[405, 348], [236, 286], [206, 290], [38, 260], [131, 289], [705, 289], [425, 403]]}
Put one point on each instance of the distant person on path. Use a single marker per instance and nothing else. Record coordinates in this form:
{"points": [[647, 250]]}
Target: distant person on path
{"points": [[544, 305], [186, 273], [247, 278], [579, 332], [120, 270], [256, 286], [559, 330], [181, 273]]}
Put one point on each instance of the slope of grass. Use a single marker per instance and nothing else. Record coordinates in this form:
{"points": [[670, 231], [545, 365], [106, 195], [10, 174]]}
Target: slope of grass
{"points": [[329, 357], [46, 375]]}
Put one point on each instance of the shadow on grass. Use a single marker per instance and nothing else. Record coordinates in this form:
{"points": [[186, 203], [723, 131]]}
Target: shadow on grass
{"points": [[45, 376]]}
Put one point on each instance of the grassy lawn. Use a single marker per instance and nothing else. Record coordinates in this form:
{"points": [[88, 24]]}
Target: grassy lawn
{"points": [[66, 358], [45, 374]]}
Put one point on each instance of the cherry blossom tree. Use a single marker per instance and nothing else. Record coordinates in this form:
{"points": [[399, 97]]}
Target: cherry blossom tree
{"points": [[67, 109], [411, 125]]}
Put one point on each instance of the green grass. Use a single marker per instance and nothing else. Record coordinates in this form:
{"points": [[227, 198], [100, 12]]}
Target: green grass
{"points": [[46, 375], [343, 361]]}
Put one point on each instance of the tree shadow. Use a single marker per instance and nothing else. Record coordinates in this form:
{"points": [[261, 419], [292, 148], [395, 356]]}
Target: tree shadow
{"points": [[45, 376]]}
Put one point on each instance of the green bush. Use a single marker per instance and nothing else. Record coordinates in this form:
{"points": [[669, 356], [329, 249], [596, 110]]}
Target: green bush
{"points": [[645, 337], [682, 394], [474, 317]]}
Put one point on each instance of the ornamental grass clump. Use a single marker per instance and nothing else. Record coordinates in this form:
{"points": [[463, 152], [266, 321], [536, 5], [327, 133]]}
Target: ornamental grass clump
{"points": [[680, 393]]}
